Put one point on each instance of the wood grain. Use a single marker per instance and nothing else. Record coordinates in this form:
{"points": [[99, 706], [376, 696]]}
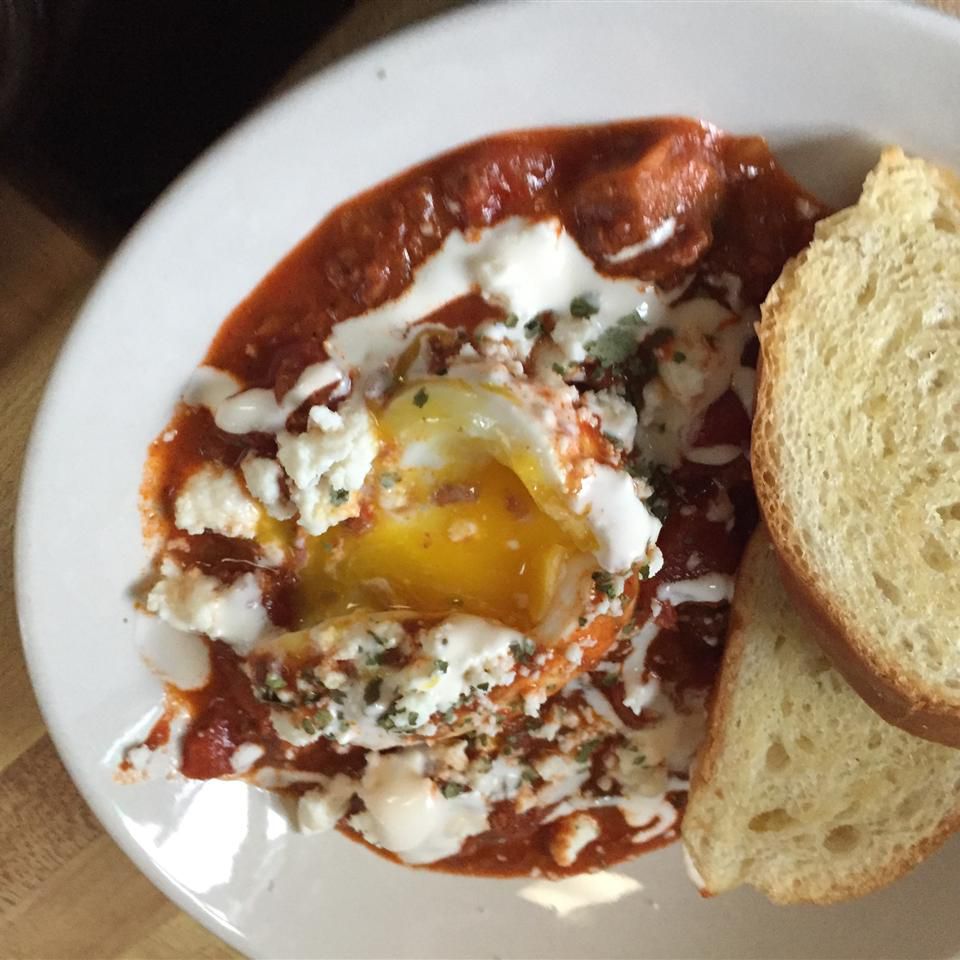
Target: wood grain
{"points": [[66, 890]]}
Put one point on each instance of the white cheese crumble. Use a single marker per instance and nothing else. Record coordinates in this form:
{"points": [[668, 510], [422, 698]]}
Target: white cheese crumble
{"points": [[190, 600], [615, 416], [328, 467], [245, 756], [214, 499], [262, 476]]}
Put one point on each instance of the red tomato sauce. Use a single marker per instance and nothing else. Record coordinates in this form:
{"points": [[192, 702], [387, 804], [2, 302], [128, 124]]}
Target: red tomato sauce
{"points": [[737, 214]]}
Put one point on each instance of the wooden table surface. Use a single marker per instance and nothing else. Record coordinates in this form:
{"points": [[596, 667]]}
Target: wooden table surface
{"points": [[66, 890]]}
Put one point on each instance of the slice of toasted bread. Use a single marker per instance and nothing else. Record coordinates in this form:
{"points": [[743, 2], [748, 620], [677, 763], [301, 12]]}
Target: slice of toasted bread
{"points": [[801, 790], [856, 441]]}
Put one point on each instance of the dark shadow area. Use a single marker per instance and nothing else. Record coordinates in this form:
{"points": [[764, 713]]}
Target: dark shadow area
{"points": [[103, 103]]}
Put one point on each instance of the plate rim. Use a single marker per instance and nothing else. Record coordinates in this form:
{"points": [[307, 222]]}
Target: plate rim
{"points": [[908, 13]]}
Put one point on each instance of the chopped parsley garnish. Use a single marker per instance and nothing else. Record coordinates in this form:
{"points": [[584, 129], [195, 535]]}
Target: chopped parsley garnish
{"points": [[523, 649], [412, 718], [679, 356], [274, 681], [371, 692], [375, 659], [533, 328], [451, 790], [339, 496], [511, 320], [558, 369], [583, 306], [608, 679], [337, 696], [640, 761], [322, 718], [308, 726], [604, 583], [447, 715], [420, 397], [440, 666], [582, 621], [387, 480], [376, 638], [483, 686], [586, 749], [529, 774], [645, 572]]}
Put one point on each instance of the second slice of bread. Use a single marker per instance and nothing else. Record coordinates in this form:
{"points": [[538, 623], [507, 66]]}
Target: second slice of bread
{"points": [[856, 446], [801, 790]]}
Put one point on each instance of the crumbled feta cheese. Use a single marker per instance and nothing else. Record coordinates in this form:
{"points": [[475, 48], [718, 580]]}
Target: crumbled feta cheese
{"points": [[616, 417], [328, 467], [213, 499], [190, 600], [262, 476], [461, 530], [474, 651], [245, 756]]}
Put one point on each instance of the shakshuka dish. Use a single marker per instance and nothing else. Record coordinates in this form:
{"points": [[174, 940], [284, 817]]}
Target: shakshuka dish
{"points": [[455, 500]]}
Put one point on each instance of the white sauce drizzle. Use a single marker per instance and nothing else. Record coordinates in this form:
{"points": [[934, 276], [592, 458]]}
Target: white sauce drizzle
{"points": [[710, 588], [658, 236]]}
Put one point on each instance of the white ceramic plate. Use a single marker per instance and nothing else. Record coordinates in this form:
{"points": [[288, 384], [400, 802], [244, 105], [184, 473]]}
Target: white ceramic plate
{"points": [[826, 83]]}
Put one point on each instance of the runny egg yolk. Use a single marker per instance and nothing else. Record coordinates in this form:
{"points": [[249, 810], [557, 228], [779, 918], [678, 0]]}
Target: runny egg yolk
{"points": [[457, 528]]}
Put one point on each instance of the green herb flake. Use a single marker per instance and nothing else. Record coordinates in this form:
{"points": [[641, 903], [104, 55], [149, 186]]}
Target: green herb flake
{"points": [[617, 343], [608, 679], [679, 356], [420, 397], [339, 496], [558, 369], [484, 687], [337, 696], [371, 692], [511, 320], [451, 790], [645, 572], [604, 584], [529, 774], [388, 480], [440, 666], [308, 727], [586, 749], [640, 761], [582, 621], [274, 681], [412, 718], [323, 718], [533, 328], [523, 649], [583, 306]]}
